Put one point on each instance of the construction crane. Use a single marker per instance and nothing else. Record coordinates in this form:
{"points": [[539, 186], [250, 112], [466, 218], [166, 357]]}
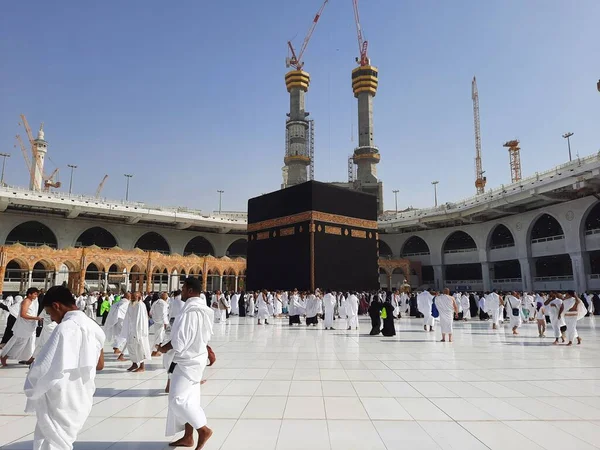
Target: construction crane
{"points": [[100, 186], [50, 181], [480, 180], [515, 159], [363, 45], [25, 153], [295, 60]]}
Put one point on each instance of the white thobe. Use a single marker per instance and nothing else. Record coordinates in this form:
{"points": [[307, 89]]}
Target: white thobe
{"points": [[554, 309], [89, 306], [190, 334], [22, 344], [445, 306], [270, 306], [278, 305], [60, 384], [514, 302], [312, 306], [263, 307], [160, 316], [235, 305], [352, 311], [135, 330], [492, 303], [424, 303], [250, 310], [48, 328], [113, 327], [570, 318], [328, 308], [80, 303], [466, 306], [175, 306]]}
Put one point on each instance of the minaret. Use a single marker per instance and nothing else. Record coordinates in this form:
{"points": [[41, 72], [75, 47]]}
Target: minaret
{"points": [[297, 157], [39, 155], [366, 155]]}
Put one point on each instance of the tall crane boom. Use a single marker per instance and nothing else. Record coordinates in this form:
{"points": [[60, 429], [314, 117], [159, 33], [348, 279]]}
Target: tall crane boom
{"points": [[480, 180], [362, 44], [100, 186], [296, 60]]}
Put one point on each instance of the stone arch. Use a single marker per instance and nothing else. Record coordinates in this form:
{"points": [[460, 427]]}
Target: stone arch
{"points": [[152, 241], [98, 236], [237, 248], [383, 271], [200, 246], [591, 218], [500, 236], [398, 271], [457, 241], [413, 246], [385, 251], [32, 234], [544, 226]]}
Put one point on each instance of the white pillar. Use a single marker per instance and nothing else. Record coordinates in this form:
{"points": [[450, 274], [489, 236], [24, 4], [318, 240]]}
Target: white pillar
{"points": [[438, 275], [221, 283], [236, 283], [526, 274], [485, 274], [106, 281], [30, 279], [55, 278], [579, 272]]}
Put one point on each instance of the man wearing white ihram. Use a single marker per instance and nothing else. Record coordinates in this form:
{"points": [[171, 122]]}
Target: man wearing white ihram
{"points": [[352, 311], [60, 384], [191, 331], [448, 309], [424, 303], [328, 308], [160, 315], [22, 345], [135, 330]]}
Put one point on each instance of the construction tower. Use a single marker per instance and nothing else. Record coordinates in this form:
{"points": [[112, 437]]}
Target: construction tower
{"points": [[40, 148], [364, 85], [299, 148], [514, 152], [480, 180]]}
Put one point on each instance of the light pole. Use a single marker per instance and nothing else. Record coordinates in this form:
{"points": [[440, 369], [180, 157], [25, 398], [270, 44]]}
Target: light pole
{"points": [[220, 194], [567, 136], [435, 183], [128, 176], [4, 156], [396, 196], [73, 167]]}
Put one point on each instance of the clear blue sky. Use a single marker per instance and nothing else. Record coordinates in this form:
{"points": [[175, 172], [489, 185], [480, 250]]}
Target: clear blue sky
{"points": [[189, 96]]}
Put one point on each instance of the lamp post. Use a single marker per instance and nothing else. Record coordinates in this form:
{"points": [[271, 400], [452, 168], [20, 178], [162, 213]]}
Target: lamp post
{"points": [[128, 176], [220, 196], [435, 183], [72, 167], [396, 197], [4, 156], [567, 136]]}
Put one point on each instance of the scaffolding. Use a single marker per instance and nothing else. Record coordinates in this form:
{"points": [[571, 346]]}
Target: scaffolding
{"points": [[311, 148]]}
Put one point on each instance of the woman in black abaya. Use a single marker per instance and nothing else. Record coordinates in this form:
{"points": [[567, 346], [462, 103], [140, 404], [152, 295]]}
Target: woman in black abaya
{"points": [[387, 313], [374, 313], [242, 304]]}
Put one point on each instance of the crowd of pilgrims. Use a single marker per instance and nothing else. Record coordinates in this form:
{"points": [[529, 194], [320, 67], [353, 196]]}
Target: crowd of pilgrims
{"points": [[156, 311]]}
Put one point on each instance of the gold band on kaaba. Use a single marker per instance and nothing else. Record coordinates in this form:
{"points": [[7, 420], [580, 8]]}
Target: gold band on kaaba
{"points": [[312, 216]]}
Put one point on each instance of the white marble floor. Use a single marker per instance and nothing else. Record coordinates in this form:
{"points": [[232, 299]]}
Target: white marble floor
{"points": [[276, 387]]}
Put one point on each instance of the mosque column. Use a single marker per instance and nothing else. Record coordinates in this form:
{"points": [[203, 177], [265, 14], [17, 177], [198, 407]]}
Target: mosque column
{"points": [[30, 279], [204, 280], [438, 276], [485, 272], [221, 283], [2, 273], [236, 283], [526, 274], [106, 281], [389, 282], [56, 272], [579, 271]]}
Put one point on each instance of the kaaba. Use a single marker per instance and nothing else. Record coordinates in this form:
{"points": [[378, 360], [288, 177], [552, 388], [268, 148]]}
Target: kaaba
{"points": [[313, 235]]}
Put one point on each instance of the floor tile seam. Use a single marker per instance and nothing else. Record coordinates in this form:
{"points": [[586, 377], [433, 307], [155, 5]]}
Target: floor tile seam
{"points": [[524, 435]]}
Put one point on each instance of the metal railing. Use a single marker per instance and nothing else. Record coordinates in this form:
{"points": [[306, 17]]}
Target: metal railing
{"points": [[555, 278], [595, 276], [461, 250], [592, 231], [558, 237], [508, 280], [405, 255], [463, 281], [496, 247], [493, 194]]}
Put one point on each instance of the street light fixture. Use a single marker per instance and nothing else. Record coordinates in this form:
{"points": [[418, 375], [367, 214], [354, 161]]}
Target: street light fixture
{"points": [[220, 195], [435, 183], [73, 167], [396, 196], [128, 176], [4, 156], [567, 136]]}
